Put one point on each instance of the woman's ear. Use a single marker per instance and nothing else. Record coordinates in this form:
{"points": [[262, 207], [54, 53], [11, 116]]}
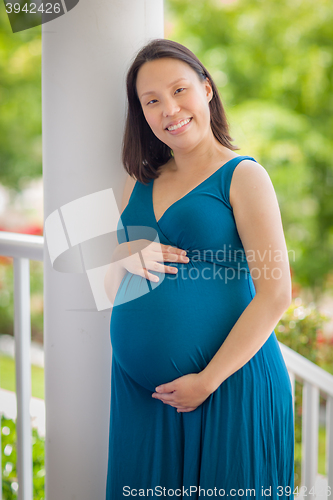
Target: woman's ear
{"points": [[209, 89]]}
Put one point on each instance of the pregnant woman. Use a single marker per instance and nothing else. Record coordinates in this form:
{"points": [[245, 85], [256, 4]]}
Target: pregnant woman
{"points": [[201, 400]]}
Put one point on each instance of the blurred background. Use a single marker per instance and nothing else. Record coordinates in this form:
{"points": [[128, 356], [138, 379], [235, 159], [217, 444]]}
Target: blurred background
{"points": [[273, 66]]}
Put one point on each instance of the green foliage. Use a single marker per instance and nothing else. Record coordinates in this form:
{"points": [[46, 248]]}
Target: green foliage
{"points": [[9, 459], [301, 329], [273, 65], [20, 104]]}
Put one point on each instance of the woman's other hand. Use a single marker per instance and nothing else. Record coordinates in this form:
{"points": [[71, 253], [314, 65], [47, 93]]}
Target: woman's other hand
{"points": [[185, 393]]}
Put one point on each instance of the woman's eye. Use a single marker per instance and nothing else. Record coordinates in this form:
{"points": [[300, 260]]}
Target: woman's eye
{"points": [[151, 101], [181, 88]]}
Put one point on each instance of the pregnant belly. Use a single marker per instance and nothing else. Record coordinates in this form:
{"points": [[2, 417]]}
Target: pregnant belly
{"points": [[177, 327]]}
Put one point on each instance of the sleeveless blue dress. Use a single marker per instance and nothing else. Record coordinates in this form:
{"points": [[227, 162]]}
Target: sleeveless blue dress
{"points": [[240, 441]]}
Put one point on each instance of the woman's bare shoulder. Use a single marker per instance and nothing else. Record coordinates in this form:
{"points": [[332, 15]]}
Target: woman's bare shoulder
{"points": [[248, 173]]}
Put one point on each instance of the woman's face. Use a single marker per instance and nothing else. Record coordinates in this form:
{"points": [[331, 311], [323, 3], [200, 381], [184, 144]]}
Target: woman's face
{"points": [[170, 92]]}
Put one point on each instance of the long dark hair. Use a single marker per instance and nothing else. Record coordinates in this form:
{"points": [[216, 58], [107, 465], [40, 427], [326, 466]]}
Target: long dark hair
{"points": [[142, 151]]}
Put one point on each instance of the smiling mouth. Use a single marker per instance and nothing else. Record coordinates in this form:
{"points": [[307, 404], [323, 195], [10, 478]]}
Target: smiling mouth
{"points": [[179, 125]]}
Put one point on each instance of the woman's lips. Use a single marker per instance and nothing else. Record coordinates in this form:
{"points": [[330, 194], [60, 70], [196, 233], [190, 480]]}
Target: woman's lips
{"points": [[180, 129]]}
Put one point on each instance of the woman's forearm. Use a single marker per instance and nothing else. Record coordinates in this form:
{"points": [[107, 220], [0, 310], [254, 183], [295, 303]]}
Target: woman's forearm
{"points": [[246, 337], [114, 274]]}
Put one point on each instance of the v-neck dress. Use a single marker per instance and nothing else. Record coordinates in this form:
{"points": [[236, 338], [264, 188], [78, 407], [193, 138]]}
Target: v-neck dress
{"points": [[240, 441]]}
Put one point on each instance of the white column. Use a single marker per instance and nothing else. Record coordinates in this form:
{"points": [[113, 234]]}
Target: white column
{"points": [[85, 56]]}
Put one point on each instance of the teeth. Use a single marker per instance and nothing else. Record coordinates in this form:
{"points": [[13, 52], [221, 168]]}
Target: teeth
{"points": [[174, 127]]}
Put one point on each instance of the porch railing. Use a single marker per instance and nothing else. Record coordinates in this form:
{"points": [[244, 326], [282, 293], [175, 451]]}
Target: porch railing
{"points": [[23, 248], [316, 381]]}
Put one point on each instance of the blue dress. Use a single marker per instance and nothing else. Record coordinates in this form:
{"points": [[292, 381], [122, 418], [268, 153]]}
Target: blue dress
{"points": [[240, 441]]}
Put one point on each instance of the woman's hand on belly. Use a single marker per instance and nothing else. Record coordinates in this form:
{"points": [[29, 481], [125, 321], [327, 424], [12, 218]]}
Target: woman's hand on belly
{"points": [[134, 254], [184, 393]]}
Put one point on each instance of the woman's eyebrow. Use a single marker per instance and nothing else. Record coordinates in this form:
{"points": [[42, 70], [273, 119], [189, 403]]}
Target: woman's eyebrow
{"points": [[171, 84]]}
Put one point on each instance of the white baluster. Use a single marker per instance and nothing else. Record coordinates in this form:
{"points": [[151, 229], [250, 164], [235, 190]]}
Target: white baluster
{"points": [[329, 444], [310, 429], [22, 333], [292, 381]]}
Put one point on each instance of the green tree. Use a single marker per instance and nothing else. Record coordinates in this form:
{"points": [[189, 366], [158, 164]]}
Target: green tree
{"points": [[20, 104], [273, 65]]}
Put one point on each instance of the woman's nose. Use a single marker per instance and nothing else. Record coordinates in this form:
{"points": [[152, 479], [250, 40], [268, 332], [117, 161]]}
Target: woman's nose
{"points": [[170, 108]]}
